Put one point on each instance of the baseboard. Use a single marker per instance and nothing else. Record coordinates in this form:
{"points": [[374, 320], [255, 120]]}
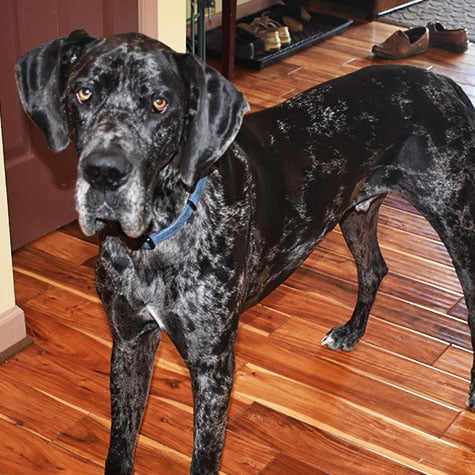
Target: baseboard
{"points": [[13, 336], [18, 347]]}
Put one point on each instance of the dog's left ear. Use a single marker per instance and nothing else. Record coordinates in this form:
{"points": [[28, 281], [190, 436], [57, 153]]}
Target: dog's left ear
{"points": [[215, 112], [41, 78]]}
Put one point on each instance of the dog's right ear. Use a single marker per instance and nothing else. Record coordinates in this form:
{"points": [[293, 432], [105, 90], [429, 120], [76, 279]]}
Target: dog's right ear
{"points": [[41, 78]]}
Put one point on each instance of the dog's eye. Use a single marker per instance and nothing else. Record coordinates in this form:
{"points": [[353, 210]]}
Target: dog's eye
{"points": [[83, 95], [159, 105]]}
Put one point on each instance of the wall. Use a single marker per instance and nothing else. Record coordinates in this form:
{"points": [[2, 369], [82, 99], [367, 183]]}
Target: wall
{"points": [[244, 8], [165, 20], [218, 7], [12, 320]]}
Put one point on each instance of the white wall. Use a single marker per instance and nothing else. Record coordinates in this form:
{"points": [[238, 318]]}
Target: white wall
{"points": [[164, 20], [12, 320]]}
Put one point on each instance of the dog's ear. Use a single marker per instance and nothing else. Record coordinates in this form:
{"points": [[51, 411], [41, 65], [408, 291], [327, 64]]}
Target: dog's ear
{"points": [[41, 78], [215, 112]]}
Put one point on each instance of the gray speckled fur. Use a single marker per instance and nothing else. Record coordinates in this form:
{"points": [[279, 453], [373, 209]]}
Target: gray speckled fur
{"points": [[279, 181]]}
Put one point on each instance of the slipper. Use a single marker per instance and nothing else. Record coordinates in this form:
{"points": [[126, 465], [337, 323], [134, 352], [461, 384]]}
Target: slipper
{"points": [[450, 40], [403, 44]]}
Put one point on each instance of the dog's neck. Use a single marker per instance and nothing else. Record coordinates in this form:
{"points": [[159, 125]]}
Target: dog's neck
{"points": [[157, 237], [172, 207]]}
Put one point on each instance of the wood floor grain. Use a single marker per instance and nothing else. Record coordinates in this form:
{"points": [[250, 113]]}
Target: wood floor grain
{"points": [[395, 405]]}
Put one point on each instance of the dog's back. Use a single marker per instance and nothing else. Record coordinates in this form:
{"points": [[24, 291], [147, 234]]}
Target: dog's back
{"points": [[312, 158]]}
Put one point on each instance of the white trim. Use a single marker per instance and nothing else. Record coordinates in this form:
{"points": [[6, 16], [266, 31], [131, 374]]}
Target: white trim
{"points": [[12, 327], [148, 17]]}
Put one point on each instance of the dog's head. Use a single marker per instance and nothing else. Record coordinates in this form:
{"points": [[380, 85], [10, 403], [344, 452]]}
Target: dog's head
{"points": [[132, 106]]}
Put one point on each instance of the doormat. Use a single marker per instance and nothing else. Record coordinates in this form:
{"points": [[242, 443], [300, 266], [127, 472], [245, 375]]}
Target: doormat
{"points": [[319, 28], [451, 14]]}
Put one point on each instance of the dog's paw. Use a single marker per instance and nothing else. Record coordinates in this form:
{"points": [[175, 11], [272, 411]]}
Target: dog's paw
{"points": [[341, 338]]}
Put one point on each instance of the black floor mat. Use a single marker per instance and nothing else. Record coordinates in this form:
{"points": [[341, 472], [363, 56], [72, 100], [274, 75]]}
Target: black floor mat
{"points": [[319, 28]]}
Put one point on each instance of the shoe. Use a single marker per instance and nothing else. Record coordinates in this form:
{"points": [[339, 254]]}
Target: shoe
{"points": [[270, 31], [271, 38], [282, 30], [270, 24], [450, 40], [297, 10], [282, 14], [244, 40], [403, 44]]}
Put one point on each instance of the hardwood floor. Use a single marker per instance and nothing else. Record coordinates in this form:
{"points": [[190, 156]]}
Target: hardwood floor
{"points": [[395, 405]]}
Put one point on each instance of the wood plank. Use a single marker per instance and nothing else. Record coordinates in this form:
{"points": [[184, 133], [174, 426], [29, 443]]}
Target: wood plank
{"points": [[55, 271], [406, 268], [37, 412], [72, 310], [459, 310], [27, 287], [339, 417], [65, 247], [25, 453], [364, 391], [334, 455], [284, 464], [374, 362], [396, 326], [398, 241], [264, 319], [462, 430], [417, 311], [404, 220], [336, 288], [64, 377], [457, 361], [89, 438], [382, 333], [433, 323]]}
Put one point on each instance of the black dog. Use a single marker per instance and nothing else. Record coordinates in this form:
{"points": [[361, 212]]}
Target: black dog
{"points": [[203, 212]]}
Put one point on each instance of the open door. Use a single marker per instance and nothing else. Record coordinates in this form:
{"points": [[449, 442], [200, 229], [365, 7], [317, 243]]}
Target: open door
{"points": [[40, 184]]}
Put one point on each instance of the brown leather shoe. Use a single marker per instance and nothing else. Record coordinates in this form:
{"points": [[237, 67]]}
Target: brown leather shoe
{"points": [[403, 44], [451, 40]]}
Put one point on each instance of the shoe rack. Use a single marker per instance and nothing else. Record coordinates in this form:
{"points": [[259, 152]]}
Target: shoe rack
{"points": [[221, 41]]}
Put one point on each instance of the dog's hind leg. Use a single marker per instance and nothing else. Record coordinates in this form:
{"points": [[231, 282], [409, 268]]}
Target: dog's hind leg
{"points": [[454, 221], [359, 229], [461, 247]]}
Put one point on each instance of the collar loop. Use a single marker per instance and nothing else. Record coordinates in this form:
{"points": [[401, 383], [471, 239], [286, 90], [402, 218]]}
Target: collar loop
{"points": [[156, 238]]}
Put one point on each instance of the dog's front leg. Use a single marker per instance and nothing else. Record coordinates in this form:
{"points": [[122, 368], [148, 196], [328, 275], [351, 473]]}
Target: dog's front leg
{"points": [[133, 355], [212, 383]]}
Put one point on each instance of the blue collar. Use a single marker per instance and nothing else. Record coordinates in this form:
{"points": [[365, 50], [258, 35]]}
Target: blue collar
{"points": [[156, 238]]}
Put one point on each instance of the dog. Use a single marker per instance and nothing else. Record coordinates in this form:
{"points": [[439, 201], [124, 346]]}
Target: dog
{"points": [[202, 209]]}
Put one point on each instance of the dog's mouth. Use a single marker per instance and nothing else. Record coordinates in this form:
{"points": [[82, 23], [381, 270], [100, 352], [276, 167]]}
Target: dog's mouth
{"points": [[92, 223], [96, 209]]}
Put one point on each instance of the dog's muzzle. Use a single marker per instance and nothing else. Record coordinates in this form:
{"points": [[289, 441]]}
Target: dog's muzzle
{"points": [[110, 189]]}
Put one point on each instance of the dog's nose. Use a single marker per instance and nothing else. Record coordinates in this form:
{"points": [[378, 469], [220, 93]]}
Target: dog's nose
{"points": [[106, 171]]}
